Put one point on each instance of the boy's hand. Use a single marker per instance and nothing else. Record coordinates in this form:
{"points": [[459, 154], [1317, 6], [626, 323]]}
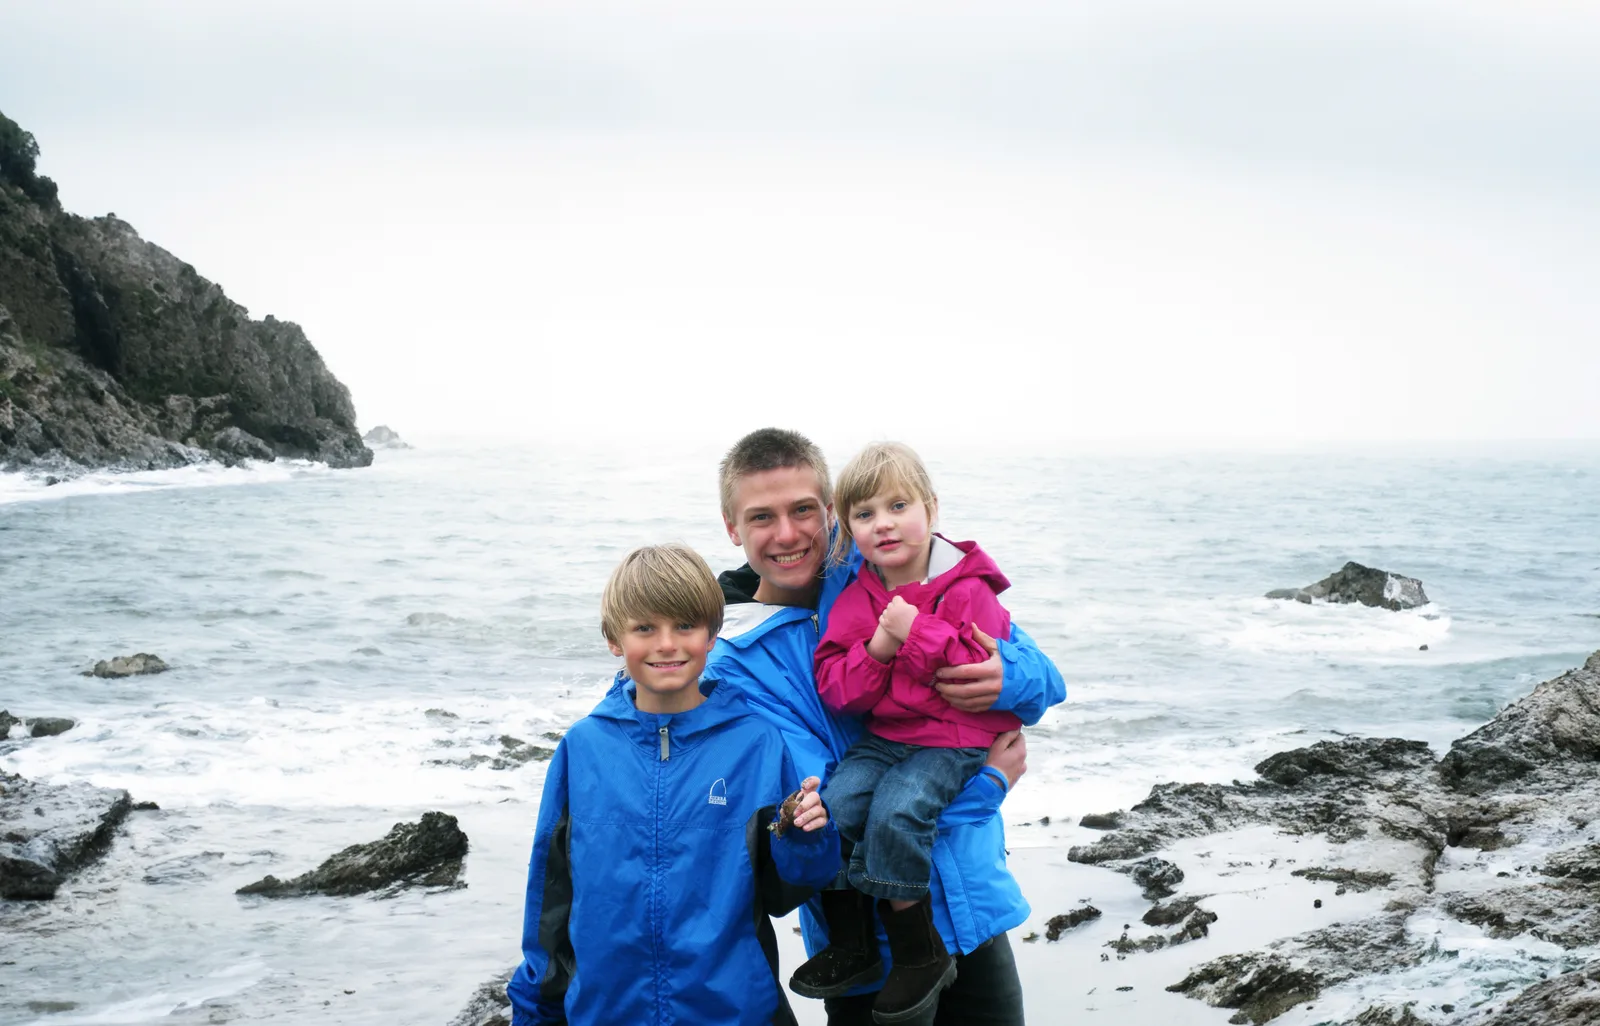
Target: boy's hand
{"points": [[809, 812], [973, 687], [896, 619]]}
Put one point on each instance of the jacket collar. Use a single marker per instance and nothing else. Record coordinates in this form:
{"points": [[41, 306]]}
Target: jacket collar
{"points": [[722, 706]]}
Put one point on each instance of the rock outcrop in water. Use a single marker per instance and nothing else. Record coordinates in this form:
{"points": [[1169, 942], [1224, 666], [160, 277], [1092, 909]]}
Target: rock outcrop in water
{"points": [[1531, 772], [113, 352], [39, 726], [384, 437], [49, 831], [1356, 583], [138, 664], [427, 853]]}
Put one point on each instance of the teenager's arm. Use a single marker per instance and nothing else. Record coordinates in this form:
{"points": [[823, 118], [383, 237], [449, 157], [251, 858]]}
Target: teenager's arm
{"points": [[793, 867], [942, 636], [1016, 678], [981, 798], [1032, 683], [538, 988]]}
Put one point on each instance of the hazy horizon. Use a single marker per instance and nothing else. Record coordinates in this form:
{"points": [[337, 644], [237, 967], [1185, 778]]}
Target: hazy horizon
{"points": [[1242, 226]]}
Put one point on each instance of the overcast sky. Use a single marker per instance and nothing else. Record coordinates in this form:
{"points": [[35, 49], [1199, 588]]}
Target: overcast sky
{"points": [[1230, 222]]}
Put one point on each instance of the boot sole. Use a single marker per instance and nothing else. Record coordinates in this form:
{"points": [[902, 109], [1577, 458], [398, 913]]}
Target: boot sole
{"points": [[865, 976], [921, 1007]]}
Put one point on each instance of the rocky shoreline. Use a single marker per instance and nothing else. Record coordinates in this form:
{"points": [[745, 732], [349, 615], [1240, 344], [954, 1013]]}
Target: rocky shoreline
{"points": [[1522, 792], [115, 353]]}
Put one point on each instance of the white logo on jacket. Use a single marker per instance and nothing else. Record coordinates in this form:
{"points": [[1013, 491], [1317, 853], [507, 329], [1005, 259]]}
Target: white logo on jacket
{"points": [[719, 792]]}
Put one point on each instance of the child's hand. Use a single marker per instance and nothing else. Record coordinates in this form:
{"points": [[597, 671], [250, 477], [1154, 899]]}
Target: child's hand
{"points": [[896, 619], [810, 814]]}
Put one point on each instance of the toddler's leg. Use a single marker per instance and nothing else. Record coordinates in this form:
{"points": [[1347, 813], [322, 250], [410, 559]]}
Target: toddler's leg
{"points": [[851, 958], [903, 816], [901, 827], [849, 788]]}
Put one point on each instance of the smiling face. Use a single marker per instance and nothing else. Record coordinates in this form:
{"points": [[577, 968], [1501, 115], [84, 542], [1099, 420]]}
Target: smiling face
{"points": [[780, 520], [665, 659], [894, 533]]}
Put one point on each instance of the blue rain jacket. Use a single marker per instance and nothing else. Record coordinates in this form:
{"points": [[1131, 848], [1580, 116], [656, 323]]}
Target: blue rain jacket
{"points": [[767, 650], [653, 872]]}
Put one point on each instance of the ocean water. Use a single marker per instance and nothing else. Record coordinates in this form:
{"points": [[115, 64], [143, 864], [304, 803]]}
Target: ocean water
{"points": [[341, 639]]}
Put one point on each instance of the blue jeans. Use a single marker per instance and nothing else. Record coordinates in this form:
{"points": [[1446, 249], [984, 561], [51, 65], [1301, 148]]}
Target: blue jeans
{"points": [[886, 797]]}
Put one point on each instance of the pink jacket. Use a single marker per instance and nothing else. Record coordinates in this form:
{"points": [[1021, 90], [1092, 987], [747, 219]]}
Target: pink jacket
{"points": [[897, 698]]}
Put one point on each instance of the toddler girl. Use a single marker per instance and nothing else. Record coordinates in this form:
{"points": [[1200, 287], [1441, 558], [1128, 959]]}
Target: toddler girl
{"points": [[910, 611]]}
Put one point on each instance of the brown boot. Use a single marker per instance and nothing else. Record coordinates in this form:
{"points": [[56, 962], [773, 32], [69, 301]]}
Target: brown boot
{"points": [[851, 958], [922, 968]]}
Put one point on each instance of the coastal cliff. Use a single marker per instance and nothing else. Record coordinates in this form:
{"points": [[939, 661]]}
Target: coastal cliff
{"points": [[115, 353]]}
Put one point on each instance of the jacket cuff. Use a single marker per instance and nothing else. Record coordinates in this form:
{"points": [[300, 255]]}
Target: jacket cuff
{"points": [[999, 777]]}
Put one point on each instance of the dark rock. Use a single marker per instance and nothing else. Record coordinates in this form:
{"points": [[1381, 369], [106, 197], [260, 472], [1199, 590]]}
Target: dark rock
{"points": [[233, 444], [1124, 844], [428, 853], [50, 726], [1420, 648], [1363, 584], [1172, 912], [1101, 820], [7, 721], [1261, 987], [1559, 720], [115, 353], [489, 1005], [146, 807], [515, 752], [1057, 925], [1346, 757], [1264, 985], [1352, 879], [440, 714], [1571, 999], [1158, 877], [48, 831], [1581, 864], [1383, 1015], [128, 666]]}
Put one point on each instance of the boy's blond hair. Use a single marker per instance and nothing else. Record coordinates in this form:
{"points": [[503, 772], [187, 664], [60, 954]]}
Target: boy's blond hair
{"points": [[880, 467], [655, 581], [770, 449]]}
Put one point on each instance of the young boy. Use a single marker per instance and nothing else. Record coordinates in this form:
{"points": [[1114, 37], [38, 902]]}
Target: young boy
{"points": [[654, 869]]}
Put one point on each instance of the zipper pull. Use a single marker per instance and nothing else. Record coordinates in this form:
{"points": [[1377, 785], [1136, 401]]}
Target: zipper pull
{"points": [[666, 752], [817, 628]]}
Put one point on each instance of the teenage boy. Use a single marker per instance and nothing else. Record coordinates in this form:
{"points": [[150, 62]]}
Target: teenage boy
{"points": [[654, 869], [776, 504]]}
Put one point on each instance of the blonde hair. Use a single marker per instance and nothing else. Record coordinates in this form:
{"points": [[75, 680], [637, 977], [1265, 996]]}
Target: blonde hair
{"points": [[770, 449], [656, 581], [878, 468]]}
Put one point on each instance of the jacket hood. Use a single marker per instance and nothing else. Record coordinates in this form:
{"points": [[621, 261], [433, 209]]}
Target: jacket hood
{"points": [[948, 562], [739, 586]]}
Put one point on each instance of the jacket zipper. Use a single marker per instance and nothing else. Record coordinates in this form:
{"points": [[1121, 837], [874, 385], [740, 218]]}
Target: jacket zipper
{"points": [[666, 748], [655, 897], [815, 626]]}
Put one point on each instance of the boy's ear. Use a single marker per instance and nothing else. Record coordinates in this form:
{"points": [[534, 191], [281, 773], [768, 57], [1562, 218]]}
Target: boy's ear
{"points": [[615, 648], [733, 532]]}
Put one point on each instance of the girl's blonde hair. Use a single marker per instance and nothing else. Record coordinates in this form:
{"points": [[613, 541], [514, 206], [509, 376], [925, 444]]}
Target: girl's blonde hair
{"points": [[880, 467]]}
